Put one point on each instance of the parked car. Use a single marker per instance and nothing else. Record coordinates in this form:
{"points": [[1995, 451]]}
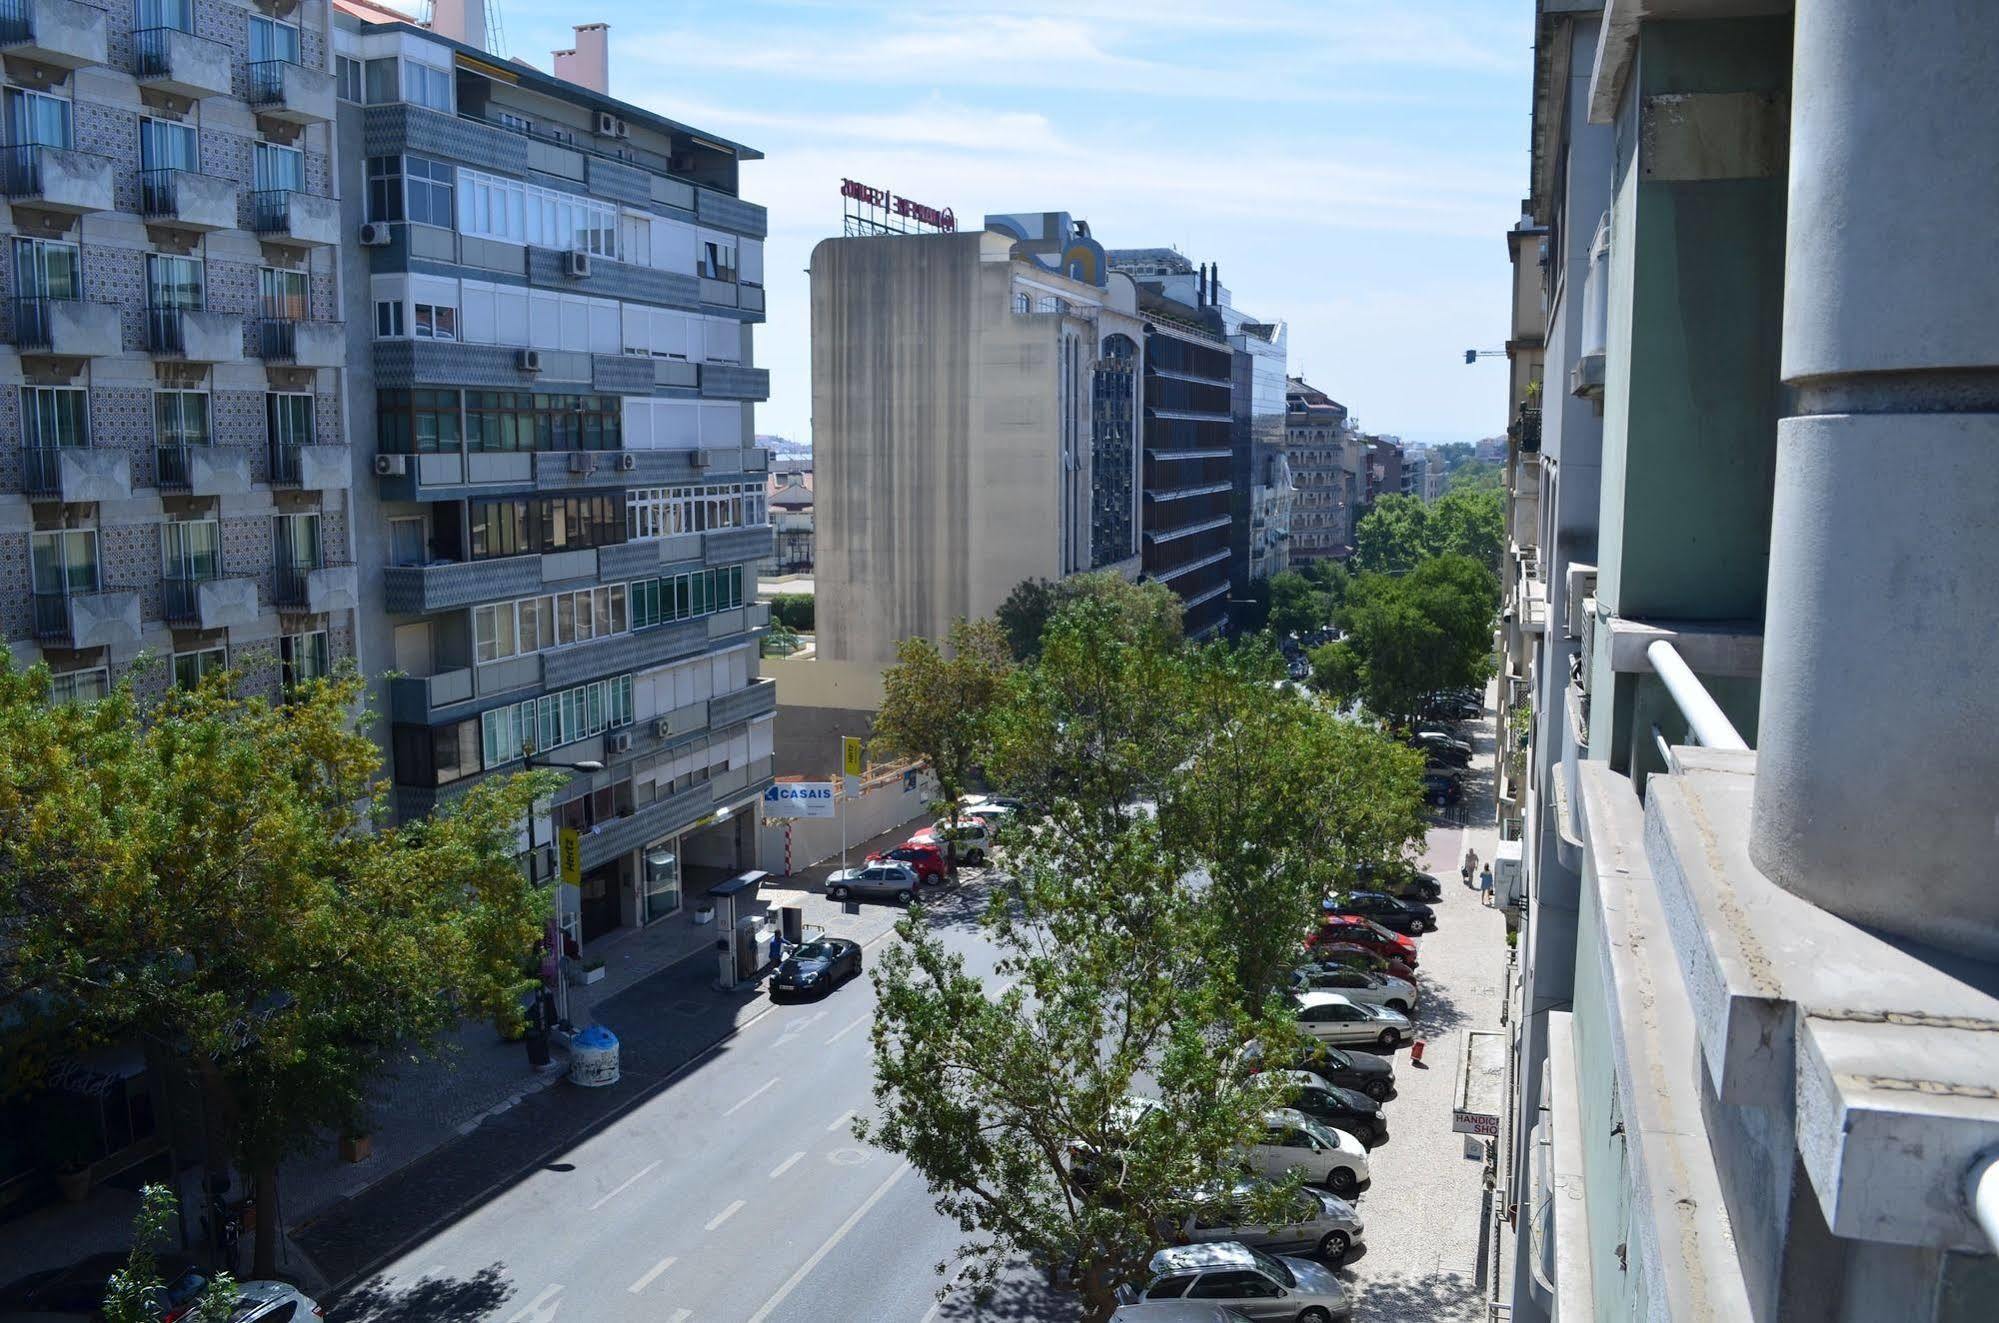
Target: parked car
{"points": [[273, 1302], [1331, 1018], [77, 1291], [1292, 1141], [1254, 1284], [1438, 740], [1176, 1311], [994, 809], [1372, 1075], [889, 880], [818, 966], [1396, 915], [1442, 787], [1349, 956], [1444, 760], [1359, 930], [1313, 1222], [1328, 1104], [1357, 985], [971, 840], [927, 860], [1400, 879]]}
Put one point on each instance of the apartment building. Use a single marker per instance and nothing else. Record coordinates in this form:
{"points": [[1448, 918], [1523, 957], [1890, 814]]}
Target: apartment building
{"points": [[550, 299], [174, 471], [1751, 595], [1327, 464]]}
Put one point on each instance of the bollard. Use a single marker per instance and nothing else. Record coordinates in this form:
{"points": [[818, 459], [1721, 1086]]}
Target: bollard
{"points": [[1416, 1053]]}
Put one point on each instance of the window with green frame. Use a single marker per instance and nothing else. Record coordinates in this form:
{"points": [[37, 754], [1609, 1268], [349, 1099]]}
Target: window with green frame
{"points": [[680, 596], [416, 422]]}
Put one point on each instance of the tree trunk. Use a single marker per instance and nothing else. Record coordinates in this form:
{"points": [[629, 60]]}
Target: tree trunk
{"points": [[264, 1188]]}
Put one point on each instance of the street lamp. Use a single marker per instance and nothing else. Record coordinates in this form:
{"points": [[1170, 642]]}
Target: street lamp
{"points": [[531, 759]]}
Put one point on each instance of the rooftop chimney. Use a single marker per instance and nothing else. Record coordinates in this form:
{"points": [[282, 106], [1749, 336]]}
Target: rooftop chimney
{"points": [[1200, 284], [460, 20], [588, 63]]}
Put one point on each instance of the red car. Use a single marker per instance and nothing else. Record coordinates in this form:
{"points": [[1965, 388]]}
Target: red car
{"points": [[927, 860], [1346, 953], [1367, 935]]}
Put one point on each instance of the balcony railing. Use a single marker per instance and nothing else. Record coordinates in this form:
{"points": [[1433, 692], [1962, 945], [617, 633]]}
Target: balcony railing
{"points": [[1528, 429], [270, 210], [34, 322], [150, 51], [277, 340], [180, 597], [267, 81], [15, 23], [287, 464], [291, 584], [171, 462], [41, 470], [166, 330], [51, 616]]}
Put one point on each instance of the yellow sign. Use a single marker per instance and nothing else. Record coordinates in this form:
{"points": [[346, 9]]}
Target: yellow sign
{"points": [[850, 755], [569, 855]]}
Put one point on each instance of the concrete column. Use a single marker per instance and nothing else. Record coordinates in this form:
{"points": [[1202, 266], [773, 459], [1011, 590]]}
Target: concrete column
{"points": [[1877, 791]]}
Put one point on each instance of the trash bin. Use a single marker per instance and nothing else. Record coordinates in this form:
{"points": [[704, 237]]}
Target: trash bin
{"points": [[537, 1043], [593, 1057]]}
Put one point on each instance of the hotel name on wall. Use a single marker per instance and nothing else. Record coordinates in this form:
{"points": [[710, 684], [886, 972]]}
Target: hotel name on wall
{"points": [[941, 218]]}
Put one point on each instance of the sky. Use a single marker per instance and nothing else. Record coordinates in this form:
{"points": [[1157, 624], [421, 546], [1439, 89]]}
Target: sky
{"points": [[1352, 165]]}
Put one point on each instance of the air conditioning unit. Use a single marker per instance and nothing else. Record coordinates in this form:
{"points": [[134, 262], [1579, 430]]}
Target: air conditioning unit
{"points": [[576, 264], [609, 124], [582, 463], [392, 466], [528, 360], [701, 459], [623, 130], [1579, 589], [621, 741], [662, 729], [374, 234], [627, 462]]}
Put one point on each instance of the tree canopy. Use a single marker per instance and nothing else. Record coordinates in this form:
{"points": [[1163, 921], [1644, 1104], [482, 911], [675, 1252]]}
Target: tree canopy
{"points": [[1302, 601], [936, 703], [1408, 636], [209, 872], [1149, 609], [1401, 532]]}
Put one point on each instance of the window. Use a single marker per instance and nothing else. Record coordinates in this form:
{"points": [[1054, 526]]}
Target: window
{"points": [[271, 40], [518, 420], [190, 667], [511, 629], [64, 562], [406, 541], [79, 686], [191, 549], [165, 145], [277, 168], [424, 85], [180, 418], [37, 119], [388, 319], [429, 191], [288, 419], [507, 119], [53, 416], [435, 321], [679, 596], [1021, 303], [493, 207], [177, 14], [718, 259], [380, 79], [347, 78], [47, 269], [1169, 1288], [296, 538], [427, 756], [173, 282], [304, 657], [664, 511], [416, 422], [523, 525], [555, 719], [282, 294]]}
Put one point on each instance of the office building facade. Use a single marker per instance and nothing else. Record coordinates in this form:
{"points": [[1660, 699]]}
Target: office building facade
{"points": [[174, 464], [550, 299], [1752, 588]]}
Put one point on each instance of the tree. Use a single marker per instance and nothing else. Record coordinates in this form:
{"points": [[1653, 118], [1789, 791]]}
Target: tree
{"points": [[1475, 475], [1408, 636], [130, 1294], [1013, 1106], [1402, 532], [1393, 537], [1025, 613], [1469, 522], [1329, 577], [935, 706], [1150, 609], [204, 872], [1454, 453], [1297, 605]]}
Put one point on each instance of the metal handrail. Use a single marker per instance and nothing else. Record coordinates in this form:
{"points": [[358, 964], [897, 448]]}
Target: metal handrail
{"points": [[267, 80], [16, 22], [180, 596], [34, 321], [52, 614], [277, 339], [289, 583], [1709, 724], [166, 331], [150, 47], [41, 470], [270, 210], [173, 466]]}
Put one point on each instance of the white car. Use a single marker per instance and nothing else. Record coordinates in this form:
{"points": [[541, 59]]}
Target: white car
{"points": [[1331, 1018], [273, 1302], [889, 879], [1293, 1141], [971, 839], [1358, 985]]}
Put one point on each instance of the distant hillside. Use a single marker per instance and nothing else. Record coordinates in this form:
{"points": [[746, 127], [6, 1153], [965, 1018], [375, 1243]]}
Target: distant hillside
{"points": [[783, 445]]}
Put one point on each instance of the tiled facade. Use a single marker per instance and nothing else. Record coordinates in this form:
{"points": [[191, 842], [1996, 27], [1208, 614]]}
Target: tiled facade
{"points": [[121, 380]]}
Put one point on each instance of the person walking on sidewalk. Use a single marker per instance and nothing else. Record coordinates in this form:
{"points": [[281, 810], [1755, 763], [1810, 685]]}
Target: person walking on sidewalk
{"points": [[1470, 870], [1485, 886]]}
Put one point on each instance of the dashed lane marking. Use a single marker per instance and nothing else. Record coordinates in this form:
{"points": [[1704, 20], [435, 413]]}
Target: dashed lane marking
{"points": [[652, 1274], [626, 1184], [725, 1215], [786, 1165], [751, 1096]]}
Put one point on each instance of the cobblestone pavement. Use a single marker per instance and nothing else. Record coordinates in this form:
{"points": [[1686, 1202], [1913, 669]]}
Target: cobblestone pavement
{"points": [[1425, 1213]]}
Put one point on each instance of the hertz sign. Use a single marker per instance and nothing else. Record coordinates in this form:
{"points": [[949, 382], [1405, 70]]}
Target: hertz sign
{"points": [[880, 198]]}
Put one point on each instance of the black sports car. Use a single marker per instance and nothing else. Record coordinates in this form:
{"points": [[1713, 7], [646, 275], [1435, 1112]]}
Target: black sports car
{"points": [[818, 967]]}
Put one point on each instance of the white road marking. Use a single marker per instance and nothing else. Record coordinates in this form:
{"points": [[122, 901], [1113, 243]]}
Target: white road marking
{"points": [[542, 1307], [848, 1030], [652, 1274], [725, 1215], [786, 1165], [752, 1096], [842, 1119], [832, 1242], [625, 1184], [799, 1026], [681, 1316], [930, 1314]]}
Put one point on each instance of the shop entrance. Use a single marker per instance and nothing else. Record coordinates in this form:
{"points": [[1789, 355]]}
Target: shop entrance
{"points": [[599, 904], [717, 850]]}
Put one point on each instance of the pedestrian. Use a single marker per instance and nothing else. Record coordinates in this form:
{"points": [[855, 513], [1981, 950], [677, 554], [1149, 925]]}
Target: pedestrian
{"points": [[776, 945], [1470, 869], [1485, 886]]}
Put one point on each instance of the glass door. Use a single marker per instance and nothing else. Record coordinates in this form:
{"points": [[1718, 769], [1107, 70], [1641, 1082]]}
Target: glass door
{"points": [[192, 549], [273, 167], [46, 269], [298, 542], [37, 119], [64, 562], [271, 40], [662, 891], [282, 294]]}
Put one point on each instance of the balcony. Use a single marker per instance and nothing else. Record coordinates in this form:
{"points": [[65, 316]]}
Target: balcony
{"points": [[284, 341], [184, 200], [421, 589], [312, 468], [58, 179], [208, 603], [290, 93], [726, 546], [1527, 429], [194, 335], [724, 381], [203, 470], [419, 700], [563, 667], [87, 619], [316, 589], [757, 700], [60, 33], [294, 219], [67, 328], [181, 63], [75, 474]]}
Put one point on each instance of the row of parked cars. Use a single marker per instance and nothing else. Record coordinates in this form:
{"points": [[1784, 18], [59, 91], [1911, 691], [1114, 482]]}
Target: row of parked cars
{"points": [[901, 873], [1355, 987], [76, 1293], [1446, 751]]}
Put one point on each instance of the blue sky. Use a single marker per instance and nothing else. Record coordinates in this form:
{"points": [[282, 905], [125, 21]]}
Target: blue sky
{"points": [[1351, 164]]}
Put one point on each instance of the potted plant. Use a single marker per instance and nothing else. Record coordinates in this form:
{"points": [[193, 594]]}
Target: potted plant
{"points": [[593, 970]]}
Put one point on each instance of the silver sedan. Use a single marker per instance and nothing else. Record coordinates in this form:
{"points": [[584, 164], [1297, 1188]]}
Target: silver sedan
{"points": [[1314, 1222]]}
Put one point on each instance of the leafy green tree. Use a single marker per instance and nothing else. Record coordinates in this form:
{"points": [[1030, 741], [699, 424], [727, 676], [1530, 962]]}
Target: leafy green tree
{"points": [[1401, 532], [1408, 636], [1013, 1105], [1469, 522], [1025, 614], [1454, 453], [1393, 537], [1297, 605], [130, 1296], [1475, 475], [936, 705], [1336, 671], [1330, 577], [1148, 609], [204, 872]]}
